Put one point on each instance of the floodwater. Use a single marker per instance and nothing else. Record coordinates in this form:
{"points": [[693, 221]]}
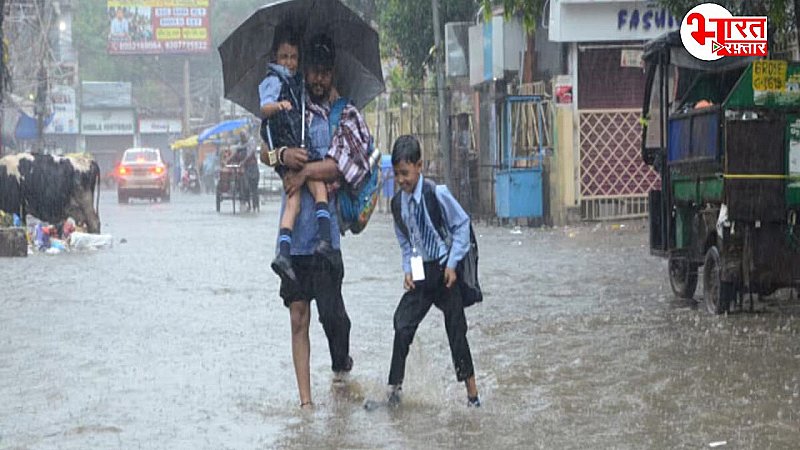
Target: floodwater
{"points": [[176, 339]]}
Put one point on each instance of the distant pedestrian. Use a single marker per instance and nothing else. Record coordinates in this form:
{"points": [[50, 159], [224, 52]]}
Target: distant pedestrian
{"points": [[429, 266]]}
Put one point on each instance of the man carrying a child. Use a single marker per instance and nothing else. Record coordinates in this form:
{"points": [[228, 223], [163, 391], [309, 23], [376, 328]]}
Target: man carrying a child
{"points": [[333, 158]]}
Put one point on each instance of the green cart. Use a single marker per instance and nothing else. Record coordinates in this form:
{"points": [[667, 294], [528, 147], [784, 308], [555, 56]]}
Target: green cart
{"points": [[725, 138]]}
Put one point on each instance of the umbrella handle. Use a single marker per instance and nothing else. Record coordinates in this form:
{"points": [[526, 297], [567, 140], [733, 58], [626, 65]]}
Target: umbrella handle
{"points": [[303, 115]]}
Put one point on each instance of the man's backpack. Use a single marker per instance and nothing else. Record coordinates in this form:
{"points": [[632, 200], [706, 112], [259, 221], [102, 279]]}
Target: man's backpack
{"points": [[467, 269], [355, 206]]}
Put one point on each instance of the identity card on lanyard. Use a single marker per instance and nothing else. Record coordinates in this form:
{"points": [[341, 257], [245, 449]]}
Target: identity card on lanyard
{"points": [[417, 268]]}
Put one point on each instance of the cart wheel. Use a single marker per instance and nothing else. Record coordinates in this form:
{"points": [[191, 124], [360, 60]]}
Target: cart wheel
{"points": [[717, 294], [682, 277]]}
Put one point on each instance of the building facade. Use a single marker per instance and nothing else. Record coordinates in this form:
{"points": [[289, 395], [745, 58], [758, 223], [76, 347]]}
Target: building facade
{"points": [[599, 121]]}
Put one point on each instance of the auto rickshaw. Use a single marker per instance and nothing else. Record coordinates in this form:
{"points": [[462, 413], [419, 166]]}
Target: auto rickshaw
{"points": [[725, 138]]}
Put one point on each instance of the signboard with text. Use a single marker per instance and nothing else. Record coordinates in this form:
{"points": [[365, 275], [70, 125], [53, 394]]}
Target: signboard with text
{"points": [[107, 122], [158, 26], [600, 20], [160, 126]]}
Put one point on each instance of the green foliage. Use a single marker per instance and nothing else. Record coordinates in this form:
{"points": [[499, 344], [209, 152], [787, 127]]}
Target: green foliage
{"points": [[779, 11], [406, 28], [529, 10]]}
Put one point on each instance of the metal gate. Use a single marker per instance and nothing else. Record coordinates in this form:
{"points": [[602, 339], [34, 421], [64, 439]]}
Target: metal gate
{"points": [[614, 181]]}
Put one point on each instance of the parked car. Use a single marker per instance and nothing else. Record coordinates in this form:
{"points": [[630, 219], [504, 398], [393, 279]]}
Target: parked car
{"points": [[142, 173], [269, 182]]}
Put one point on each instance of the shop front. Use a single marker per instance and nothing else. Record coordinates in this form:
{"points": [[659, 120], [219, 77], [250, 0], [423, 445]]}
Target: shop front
{"points": [[606, 86]]}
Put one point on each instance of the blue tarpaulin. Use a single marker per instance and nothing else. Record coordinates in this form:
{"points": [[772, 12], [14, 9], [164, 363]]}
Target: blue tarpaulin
{"points": [[26, 126], [222, 127]]}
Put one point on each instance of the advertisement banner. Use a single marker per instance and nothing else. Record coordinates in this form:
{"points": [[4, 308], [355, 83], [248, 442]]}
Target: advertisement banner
{"points": [[65, 118], [158, 26]]}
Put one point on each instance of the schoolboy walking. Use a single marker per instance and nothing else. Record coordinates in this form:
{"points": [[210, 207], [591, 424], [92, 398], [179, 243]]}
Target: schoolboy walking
{"points": [[429, 266]]}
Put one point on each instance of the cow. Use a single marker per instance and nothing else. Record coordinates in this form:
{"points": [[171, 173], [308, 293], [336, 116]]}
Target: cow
{"points": [[51, 188]]}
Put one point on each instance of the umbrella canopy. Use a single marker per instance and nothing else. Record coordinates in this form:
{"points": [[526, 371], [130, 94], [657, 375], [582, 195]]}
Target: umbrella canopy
{"points": [[189, 142], [246, 52], [222, 127]]}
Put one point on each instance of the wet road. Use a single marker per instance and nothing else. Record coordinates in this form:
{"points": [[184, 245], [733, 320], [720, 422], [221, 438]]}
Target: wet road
{"points": [[176, 339]]}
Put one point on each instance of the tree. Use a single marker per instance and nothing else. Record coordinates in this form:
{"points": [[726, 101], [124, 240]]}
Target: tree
{"points": [[530, 10], [407, 30]]}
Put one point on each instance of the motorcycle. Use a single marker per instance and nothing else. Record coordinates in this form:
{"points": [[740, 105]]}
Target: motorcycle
{"points": [[190, 181]]}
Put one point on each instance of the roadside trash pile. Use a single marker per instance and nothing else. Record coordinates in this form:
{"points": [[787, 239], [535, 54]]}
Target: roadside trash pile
{"points": [[42, 237]]}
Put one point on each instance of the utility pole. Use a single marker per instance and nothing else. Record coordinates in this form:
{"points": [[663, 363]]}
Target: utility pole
{"points": [[44, 19], [40, 107], [444, 126], [187, 101], [797, 24]]}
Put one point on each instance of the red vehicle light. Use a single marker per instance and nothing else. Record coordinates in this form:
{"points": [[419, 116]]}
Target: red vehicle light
{"points": [[123, 170]]}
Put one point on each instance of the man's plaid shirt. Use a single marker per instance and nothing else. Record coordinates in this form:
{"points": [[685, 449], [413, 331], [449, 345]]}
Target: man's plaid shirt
{"points": [[350, 142]]}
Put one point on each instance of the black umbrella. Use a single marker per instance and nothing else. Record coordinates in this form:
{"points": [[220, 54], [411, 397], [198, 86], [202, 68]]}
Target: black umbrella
{"points": [[246, 52]]}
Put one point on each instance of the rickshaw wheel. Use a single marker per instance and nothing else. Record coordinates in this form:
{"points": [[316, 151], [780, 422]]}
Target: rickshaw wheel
{"points": [[717, 294], [682, 277]]}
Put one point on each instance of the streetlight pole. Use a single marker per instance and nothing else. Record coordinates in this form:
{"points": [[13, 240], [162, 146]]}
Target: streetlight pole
{"points": [[444, 125], [40, 107]]}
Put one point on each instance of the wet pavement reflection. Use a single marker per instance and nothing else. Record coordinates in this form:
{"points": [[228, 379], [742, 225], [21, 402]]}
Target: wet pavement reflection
{"points": [[177, 339]]}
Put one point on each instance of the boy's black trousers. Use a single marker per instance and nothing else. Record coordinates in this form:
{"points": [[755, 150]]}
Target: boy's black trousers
{"points": [[412, 309]]}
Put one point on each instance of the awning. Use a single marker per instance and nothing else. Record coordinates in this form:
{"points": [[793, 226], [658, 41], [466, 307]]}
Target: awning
{"points": [[189, 142], [222, 127]]}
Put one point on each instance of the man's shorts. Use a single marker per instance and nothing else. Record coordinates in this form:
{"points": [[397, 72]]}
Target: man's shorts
{"points": [[317, 278]]}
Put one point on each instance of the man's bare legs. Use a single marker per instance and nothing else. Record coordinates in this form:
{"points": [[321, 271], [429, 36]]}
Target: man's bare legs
{"points": [[300, 314], [472, 387]]}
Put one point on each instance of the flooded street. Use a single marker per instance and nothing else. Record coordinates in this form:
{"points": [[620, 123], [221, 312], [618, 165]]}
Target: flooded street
{"points": [[176, 338]]}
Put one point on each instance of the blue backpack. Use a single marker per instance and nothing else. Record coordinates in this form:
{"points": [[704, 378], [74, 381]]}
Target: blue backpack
{"points": [[355, 205]]}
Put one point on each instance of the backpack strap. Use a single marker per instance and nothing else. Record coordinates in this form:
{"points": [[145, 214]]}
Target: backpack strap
{"points": [[397, 215], [336, 114], [434, 209], [431, 205]]}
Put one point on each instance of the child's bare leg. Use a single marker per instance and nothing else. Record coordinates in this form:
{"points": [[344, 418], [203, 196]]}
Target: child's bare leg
{"points": [[290, 211], [320, 193]]}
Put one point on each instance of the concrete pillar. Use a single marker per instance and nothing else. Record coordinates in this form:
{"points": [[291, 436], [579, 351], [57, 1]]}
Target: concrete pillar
{"points": [[563, 179]]}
